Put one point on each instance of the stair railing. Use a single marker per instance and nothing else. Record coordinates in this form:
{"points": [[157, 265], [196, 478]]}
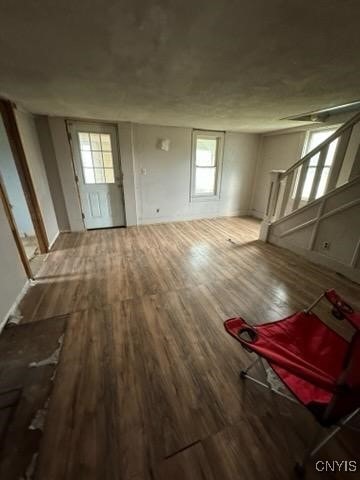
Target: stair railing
{"points": [[286, 191]]}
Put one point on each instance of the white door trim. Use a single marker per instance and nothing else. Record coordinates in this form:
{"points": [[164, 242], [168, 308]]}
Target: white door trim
{"points": [[73, 127]]}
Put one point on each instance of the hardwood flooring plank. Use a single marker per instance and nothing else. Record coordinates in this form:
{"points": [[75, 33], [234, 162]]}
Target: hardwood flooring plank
{"points": [[148, 387]]}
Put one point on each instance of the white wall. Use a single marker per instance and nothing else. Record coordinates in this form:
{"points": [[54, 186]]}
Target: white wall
{"points": [[30, 141], [166, 184], [277, 152], [13, 187], [335, 219], [13, 277], [127, 159], [66, 171], [52, 171]]}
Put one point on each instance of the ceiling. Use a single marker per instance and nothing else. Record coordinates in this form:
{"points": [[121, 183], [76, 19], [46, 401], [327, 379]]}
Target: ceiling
{"points": [[232, 65]]}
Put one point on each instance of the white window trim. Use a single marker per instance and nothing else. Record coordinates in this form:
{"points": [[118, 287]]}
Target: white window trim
{"points": [[219, 162], [313, 130]]}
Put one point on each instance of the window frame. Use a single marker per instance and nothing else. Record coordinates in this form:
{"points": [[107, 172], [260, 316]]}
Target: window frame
{"points": [[219, 137], [305, 152], [316, 130]]}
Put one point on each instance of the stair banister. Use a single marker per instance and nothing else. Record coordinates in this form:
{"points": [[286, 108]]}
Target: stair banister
{"points": [[286, 187], [317, 149]]}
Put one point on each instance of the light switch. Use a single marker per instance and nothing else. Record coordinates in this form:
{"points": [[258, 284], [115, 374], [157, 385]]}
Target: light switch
{"points": [[143, 171]]}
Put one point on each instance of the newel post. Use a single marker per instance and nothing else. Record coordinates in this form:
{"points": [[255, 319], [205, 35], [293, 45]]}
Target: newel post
{"points": [[271, 204]]}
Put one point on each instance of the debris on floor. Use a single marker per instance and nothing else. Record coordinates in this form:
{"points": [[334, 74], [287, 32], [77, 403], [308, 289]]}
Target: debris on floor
{"points": [[53, 359], [14, 319], [38, 422], [36, 343], [275, 382], [29, 474]]}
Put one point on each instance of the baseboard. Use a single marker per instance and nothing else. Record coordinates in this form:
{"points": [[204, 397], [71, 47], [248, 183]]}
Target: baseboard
{"points": [[15, 304], [256, 214], [186, 218], [316, 257]]}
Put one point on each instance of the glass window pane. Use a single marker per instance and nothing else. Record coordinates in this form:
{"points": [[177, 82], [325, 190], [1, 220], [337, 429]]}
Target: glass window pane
{"points": [[205, 181], [86, 158], [314, 160], [109, 175], [99, 175], [108, 160], [105, 142], [89, 175], [84, 141], [95, 141], [308, 183], [323, 182], [316, 137], [331, 152], [97, 159], [206, 152]]}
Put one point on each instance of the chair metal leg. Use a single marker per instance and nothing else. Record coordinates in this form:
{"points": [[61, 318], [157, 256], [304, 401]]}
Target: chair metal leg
{"points": [[334, 432], [243, 373], [276, 405], [307, 310], [315, 445]]}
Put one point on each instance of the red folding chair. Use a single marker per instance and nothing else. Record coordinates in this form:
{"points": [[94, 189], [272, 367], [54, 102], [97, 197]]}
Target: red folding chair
{"points": [[319, 367]]}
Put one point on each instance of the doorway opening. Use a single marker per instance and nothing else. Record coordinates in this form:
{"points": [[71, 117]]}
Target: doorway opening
{"points": [[18, 195]]}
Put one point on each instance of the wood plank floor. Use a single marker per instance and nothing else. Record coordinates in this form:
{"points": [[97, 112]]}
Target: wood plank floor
{"points": [[147, 387]]}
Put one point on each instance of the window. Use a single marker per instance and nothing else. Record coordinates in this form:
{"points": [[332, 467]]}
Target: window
{"points": [[96, 157], [315, 138], [206, 164]]}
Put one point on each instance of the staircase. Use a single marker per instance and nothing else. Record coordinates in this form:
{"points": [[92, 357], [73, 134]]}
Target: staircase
{"points": [[313, 208]]}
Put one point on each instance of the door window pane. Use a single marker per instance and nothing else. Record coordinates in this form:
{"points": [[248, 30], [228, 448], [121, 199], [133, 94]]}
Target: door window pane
{"points": [[84, 141], [96, 157], [109, 175], [99, 175], [86, 158], [89, 175], [108, 160]]}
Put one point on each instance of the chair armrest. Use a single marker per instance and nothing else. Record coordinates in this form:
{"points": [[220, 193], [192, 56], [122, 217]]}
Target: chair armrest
{"points": [[344, 308]]}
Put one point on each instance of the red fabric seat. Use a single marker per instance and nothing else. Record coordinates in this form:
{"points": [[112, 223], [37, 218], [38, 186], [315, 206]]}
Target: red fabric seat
{"points": [[312, 360]]}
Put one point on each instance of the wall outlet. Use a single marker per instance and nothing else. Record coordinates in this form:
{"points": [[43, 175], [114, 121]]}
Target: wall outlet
{"points": [[326, 245], [157, 210]]}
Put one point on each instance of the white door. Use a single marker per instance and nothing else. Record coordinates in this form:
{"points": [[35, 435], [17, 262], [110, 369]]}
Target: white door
{"points": [[98, 174]]}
